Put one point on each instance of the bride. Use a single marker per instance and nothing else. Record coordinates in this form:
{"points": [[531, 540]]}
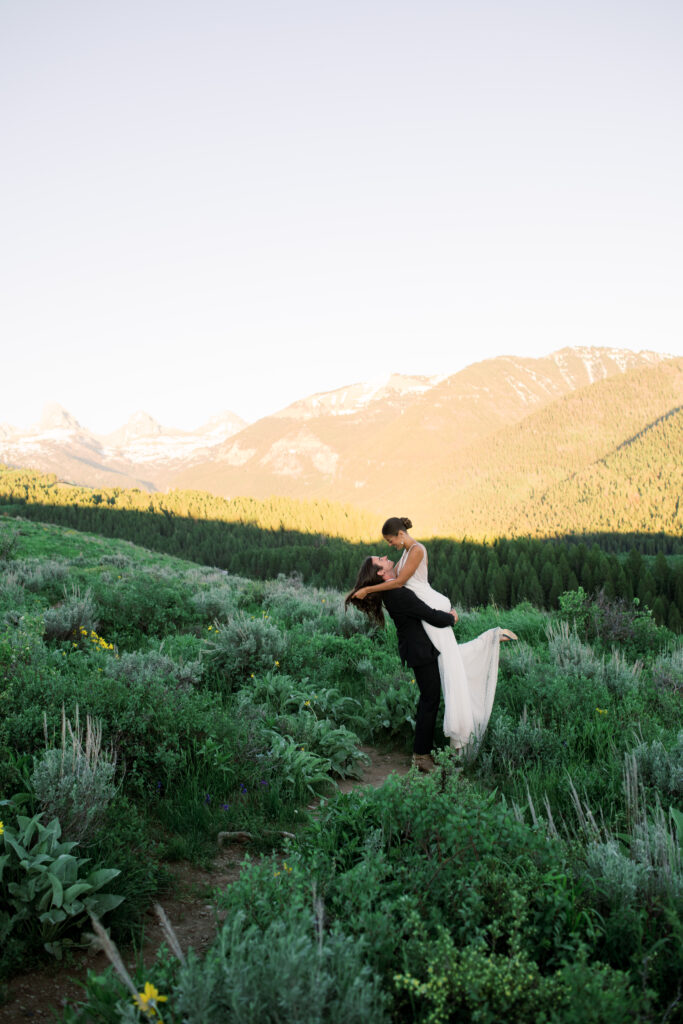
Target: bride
{"points": [[469, 672]]}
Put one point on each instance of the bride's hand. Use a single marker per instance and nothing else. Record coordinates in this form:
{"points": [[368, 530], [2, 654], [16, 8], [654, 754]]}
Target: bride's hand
{"points": [[455, 615], [360, 594]]}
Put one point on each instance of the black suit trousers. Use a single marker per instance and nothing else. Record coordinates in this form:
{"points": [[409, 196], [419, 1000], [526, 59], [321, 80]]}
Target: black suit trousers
{"points": [[429, 683]]}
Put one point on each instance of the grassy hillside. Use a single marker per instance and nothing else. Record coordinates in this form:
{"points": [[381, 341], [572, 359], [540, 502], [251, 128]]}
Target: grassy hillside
{"points": [[541, 876]]}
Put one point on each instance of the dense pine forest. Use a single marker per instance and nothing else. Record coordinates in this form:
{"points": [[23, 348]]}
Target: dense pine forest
{"points": [[324, 543]]}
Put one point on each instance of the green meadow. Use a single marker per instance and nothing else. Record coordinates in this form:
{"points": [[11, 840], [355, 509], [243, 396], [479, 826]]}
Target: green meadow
{"points": [[149, 704]]}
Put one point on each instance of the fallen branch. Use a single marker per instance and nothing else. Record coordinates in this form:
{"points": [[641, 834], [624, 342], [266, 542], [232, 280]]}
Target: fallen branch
{"points": [[245, 837]]}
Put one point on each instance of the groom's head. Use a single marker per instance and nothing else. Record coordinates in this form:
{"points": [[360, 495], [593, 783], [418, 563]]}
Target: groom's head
{"points": [[384, 567]]}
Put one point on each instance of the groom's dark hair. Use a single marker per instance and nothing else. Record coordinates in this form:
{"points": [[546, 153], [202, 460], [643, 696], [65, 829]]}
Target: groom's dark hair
{"points": [[368, 576]]}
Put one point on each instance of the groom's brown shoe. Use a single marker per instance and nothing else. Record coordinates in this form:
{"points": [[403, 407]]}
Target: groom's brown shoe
{"points": [[423, 762]]}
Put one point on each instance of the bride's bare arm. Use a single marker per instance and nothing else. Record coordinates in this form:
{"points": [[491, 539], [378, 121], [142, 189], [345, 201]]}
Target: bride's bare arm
{"points": [[415, 556]]}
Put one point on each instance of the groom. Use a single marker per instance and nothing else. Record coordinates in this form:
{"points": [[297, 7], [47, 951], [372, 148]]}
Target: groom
{"points": [[419, 653]]}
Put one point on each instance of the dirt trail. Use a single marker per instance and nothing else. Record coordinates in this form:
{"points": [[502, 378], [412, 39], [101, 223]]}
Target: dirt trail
{"points": [[37, 995]]}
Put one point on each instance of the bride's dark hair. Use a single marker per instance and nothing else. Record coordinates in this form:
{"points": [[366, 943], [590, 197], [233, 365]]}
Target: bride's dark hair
{"points": [[372, 604], [396, 523]]}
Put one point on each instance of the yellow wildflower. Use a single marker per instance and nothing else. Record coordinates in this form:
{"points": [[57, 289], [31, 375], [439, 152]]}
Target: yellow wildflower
{"points": [[601, 711], [2, 828], [277, 664], [147, 1000], [307, 703]]}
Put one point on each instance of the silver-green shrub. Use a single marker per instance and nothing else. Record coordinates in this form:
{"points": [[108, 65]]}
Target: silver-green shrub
{"points": [[65, 620], [12, 594], [319, 611], [619, 878], [145, 666], [244, 644], [75, 782], [293, 971], [119, 560], [570, 653], [667, 670], [36, 573], [619, 675], [217, 602], [662, 768], [520, 658]]}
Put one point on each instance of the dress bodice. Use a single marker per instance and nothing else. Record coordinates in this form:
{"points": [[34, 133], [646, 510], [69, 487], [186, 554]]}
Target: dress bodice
{"points": [[421, 574], [419, 583]]}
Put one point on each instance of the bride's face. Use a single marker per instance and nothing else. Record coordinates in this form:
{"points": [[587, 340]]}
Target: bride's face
{"points": [[397, 541]]}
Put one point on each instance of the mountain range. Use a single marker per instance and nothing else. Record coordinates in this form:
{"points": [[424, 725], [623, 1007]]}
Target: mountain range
{"points": [[507, 446]]}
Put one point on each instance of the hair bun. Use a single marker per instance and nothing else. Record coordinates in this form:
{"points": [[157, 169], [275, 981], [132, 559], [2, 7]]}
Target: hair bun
{"points": [[407, 525]]}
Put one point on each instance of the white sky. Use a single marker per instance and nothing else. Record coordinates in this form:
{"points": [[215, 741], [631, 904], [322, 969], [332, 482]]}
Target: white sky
{"points": [[215, 204]]}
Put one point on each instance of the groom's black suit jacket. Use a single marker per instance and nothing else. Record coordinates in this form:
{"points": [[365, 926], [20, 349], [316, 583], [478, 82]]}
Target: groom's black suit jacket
{"points": [[408, 611]]}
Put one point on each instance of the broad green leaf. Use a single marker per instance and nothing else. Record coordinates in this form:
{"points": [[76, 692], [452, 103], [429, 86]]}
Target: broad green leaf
{"points": [[65, 867], [102, 902], [57, 890], [53, 917], [74, 891], [100, 877], [19, 850]]}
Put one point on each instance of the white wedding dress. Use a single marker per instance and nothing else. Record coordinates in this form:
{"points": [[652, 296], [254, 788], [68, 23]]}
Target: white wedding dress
{"points": [[469, 672]]}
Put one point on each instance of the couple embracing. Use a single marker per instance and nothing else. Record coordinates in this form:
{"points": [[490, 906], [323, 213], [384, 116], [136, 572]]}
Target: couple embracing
{"points": [[466, 674]]}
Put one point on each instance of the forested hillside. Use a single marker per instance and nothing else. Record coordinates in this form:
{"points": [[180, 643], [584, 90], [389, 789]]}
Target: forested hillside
{"points": [[325, 544], [608, 457]]}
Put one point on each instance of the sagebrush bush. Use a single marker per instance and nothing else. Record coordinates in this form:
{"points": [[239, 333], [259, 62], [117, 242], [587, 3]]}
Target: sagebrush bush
{"points": [[513, 744], [570, 653], [12, 595], [77, 611], [620, 879], [120, 561], [44, 576], [9, 544], [75, 782], [243, 645], [142, 667], [294, 970], [217, 602], [667, 670], [660, 768], [618, 675]]}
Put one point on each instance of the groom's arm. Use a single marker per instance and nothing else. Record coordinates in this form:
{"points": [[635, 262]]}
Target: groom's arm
{"points": [[409, 604]]}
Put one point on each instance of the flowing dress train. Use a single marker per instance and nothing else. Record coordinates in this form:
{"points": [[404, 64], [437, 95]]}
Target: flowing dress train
{"points": [[469, 672]]}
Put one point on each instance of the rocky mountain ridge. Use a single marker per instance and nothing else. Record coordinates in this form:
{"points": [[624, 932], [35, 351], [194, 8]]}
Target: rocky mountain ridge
{"points": [[417, 441]]}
